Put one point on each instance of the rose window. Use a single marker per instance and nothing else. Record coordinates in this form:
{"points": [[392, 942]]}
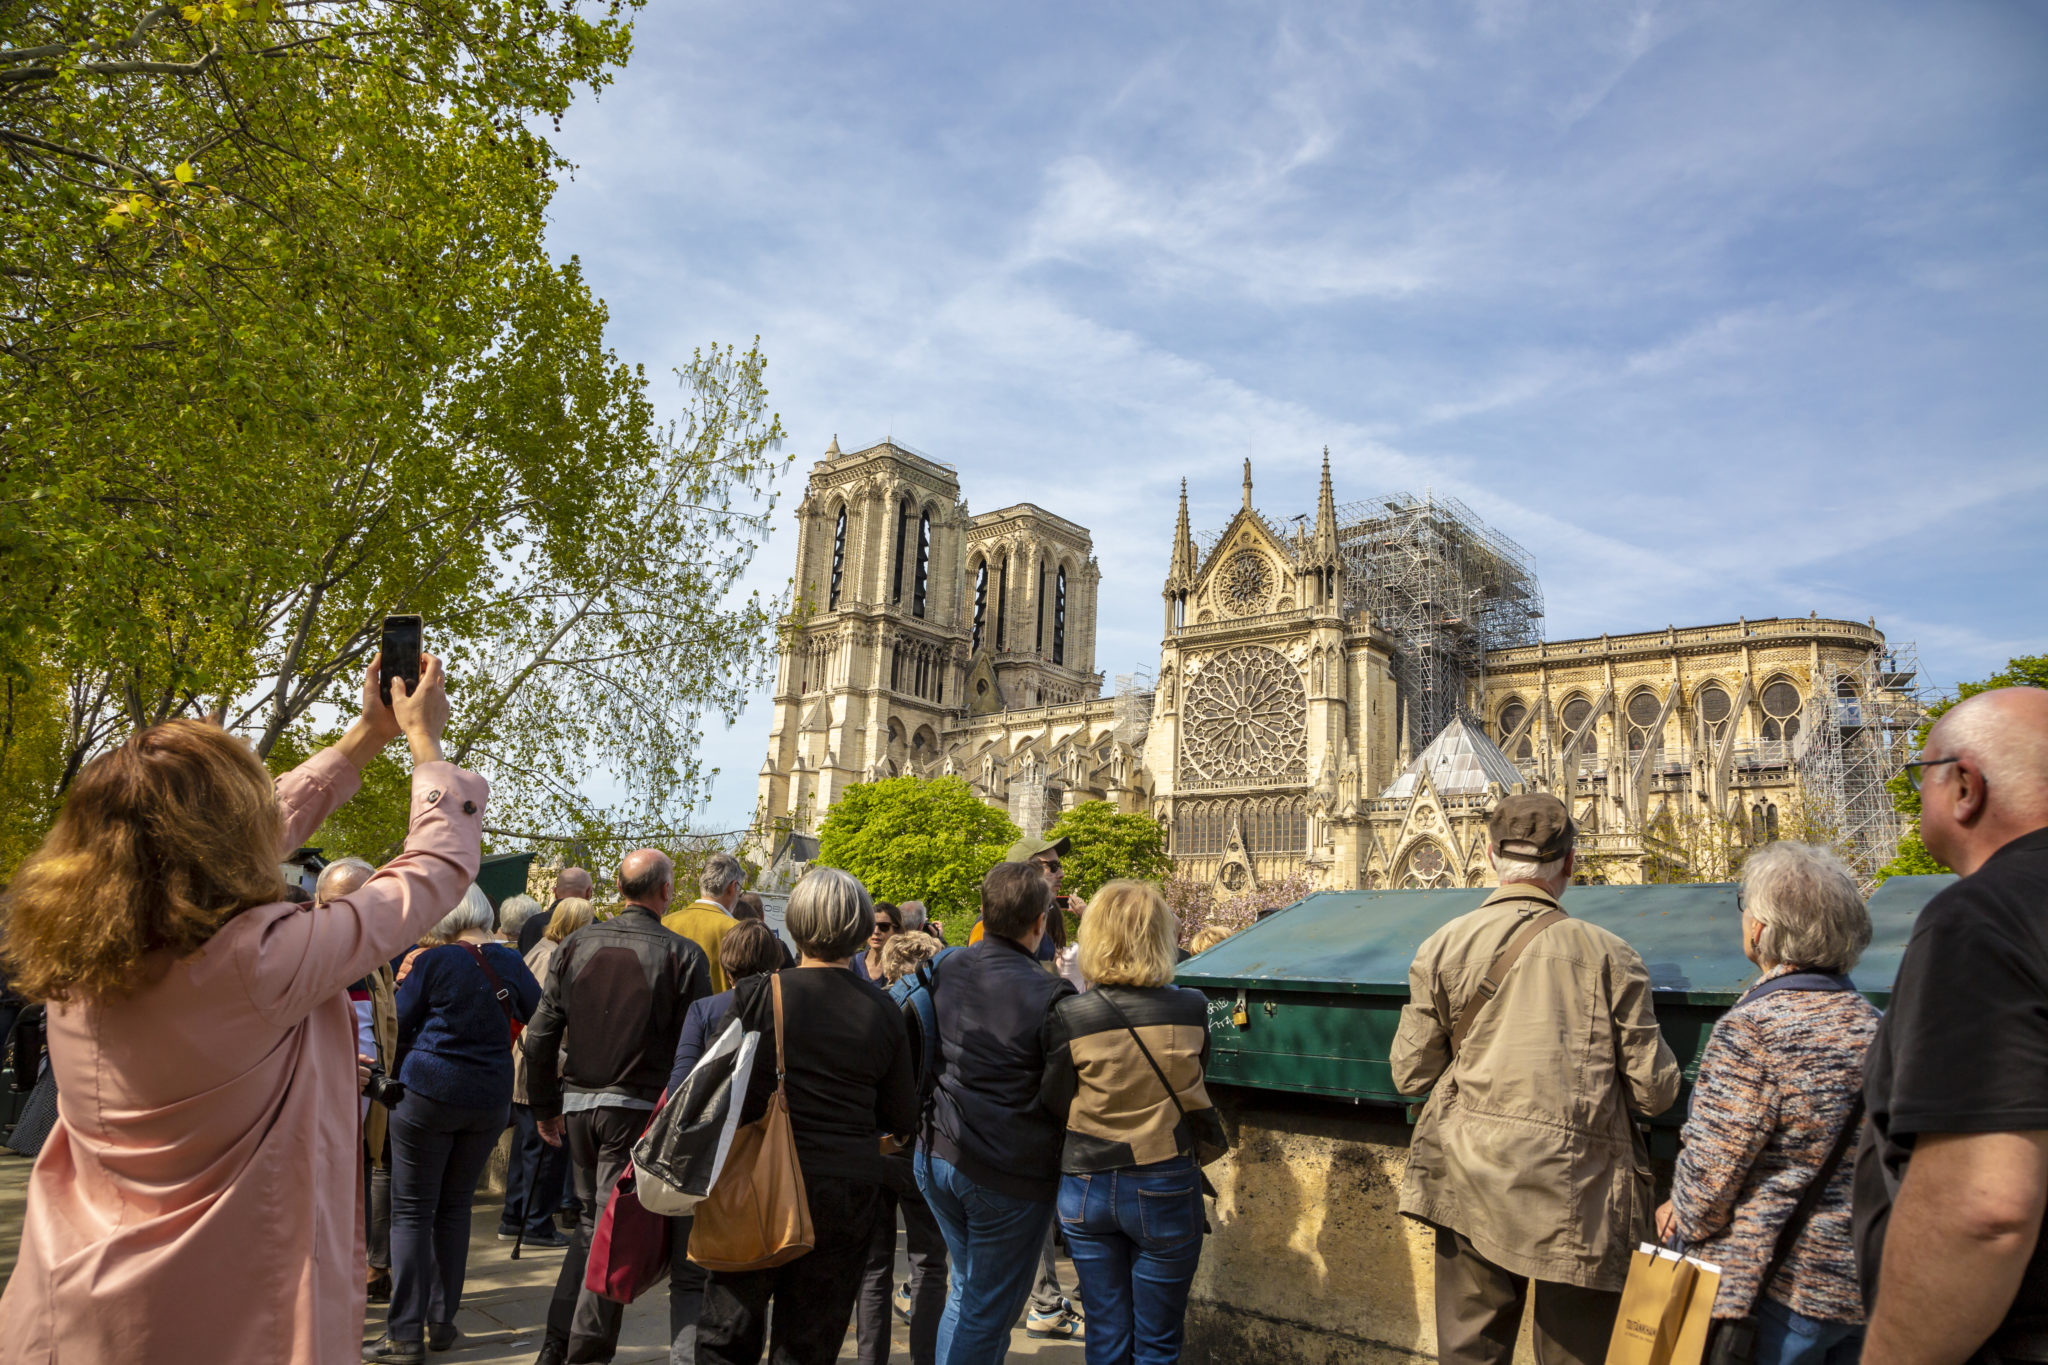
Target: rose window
{"points": [[1245, 721], [1426, 867], [1246, 581]]}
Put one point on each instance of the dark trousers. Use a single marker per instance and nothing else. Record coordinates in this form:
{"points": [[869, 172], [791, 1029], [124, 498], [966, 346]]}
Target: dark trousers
{"points": [[1479, 1312], [927, 1280], [813, 1294], [438, 1152], [535, 1178], [377, 1215], [600, 1143], [686, 1281]]}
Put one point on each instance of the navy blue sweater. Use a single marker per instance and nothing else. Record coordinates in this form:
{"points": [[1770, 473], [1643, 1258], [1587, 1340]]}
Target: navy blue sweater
{"points": [[452, 1033]]}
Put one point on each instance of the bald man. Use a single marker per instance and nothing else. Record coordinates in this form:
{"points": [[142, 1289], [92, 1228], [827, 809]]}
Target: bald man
{"points": [[1952, 1174], [620, 988], [570, 883]]}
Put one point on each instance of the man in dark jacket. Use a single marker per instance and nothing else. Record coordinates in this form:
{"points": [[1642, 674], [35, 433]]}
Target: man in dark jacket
{"points": [[621, 988], [989, 1161]]}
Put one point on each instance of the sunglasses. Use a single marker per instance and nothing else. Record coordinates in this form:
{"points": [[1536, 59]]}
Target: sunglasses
{"points": [[1913, 769], [883, 926]]}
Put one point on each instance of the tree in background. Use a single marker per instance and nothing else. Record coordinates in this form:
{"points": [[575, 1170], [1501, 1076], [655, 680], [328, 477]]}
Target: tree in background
{"points": [[282, 351], [1197, 905], [1107, 845], [1913, 859], [914, 838]]}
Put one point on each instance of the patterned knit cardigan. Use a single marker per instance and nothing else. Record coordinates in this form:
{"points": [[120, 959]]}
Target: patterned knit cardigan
{"points": [[1775, 1085]]}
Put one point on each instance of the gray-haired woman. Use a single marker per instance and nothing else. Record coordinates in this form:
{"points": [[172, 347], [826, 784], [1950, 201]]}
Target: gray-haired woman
{"points": [[456, 1007], [848, 1078], [1777, 1085]]}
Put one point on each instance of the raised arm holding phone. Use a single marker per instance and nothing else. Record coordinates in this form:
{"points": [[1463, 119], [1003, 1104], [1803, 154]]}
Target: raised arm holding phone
{"points": [[197, 1198]]}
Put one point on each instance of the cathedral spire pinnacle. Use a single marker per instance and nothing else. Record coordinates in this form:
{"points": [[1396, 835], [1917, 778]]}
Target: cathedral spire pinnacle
{"points": [[1182, 571], [1326, 514], [832, 449], [1247, 483]]}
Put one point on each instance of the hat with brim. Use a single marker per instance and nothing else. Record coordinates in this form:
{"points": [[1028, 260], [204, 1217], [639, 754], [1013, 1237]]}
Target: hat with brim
{"points": [[1534, 827], [1024, 850]]}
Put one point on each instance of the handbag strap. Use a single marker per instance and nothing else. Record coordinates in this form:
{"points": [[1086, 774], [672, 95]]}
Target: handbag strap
{"points": [[1810, 1197], [512, 1021], [775, 987], [1497, 972]]}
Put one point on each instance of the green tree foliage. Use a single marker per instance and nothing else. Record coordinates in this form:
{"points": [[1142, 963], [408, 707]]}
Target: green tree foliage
{"points": [[1108, 845], [1912, 858], [912, 838], [282, 351]]}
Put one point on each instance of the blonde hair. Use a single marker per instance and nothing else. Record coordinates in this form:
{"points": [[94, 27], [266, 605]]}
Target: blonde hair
{"points": [[1209, 937], [1128, 936], [571, 914], [159, 844]]}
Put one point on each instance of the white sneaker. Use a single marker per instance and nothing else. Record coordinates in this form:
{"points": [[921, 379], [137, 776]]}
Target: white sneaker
{"points": [[900, 1301], [1060, 1326]]}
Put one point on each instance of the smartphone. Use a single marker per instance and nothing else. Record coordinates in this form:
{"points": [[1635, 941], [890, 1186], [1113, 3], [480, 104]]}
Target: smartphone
{"points": [[401, 651]]}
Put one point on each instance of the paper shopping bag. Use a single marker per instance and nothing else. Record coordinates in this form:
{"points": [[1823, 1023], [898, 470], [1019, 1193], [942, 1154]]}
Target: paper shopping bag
{"points": [[1667, 1309]]}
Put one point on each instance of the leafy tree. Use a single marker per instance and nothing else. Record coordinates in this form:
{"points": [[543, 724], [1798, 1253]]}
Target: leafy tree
{"points": [[281, 351], [1108, 845], [1912, 858], [913, 838], [1198, 905]]}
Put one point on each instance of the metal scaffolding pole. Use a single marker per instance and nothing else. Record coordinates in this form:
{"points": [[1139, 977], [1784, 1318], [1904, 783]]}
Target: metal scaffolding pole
{"points": [[1854, 738]]}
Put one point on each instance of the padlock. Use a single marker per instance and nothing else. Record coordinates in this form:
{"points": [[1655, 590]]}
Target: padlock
{"points": [[1241, 1016]]}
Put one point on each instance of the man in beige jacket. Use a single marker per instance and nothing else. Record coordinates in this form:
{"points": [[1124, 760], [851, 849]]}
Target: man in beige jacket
{"points": [[1525, 1159]]}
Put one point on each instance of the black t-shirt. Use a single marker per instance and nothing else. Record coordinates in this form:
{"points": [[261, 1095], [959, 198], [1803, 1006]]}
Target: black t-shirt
{"points": [[849, 1077], [535, 926], [1964, 1046]]}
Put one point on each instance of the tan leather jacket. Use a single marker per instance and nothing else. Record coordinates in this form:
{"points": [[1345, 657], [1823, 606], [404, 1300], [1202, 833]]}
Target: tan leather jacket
{"points": [[1525, 1145]]}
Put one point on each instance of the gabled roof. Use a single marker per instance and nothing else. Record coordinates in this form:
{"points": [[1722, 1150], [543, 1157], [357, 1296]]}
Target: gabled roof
{"points": [[1460, 760]]}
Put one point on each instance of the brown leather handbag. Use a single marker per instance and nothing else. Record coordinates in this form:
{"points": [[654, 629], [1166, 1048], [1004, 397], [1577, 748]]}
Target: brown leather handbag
{"points": [[757, 1214]]}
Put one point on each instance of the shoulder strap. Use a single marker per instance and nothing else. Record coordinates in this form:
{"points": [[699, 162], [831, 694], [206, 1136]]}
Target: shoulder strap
{"points": [[498, 987], [775, 985], [1489, 985], [1810, 1197], [1146, 1052]]}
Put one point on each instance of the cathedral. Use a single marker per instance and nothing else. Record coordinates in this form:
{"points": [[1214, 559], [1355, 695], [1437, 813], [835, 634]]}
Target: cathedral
{"points": [[1343, 695]]}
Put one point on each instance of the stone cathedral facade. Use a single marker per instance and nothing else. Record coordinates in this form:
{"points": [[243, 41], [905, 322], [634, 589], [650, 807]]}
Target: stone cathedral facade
{"points": [[1279, 735]]}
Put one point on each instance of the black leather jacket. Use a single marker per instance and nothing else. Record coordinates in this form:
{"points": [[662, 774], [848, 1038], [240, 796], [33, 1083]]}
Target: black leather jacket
{"points": [[621, 988]]}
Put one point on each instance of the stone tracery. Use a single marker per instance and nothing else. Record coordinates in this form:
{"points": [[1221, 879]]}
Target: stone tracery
{"points": [[1246, 721]]}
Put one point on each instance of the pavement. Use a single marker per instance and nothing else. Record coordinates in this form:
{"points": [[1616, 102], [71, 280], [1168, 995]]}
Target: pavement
{"points": [[505, 1302]]}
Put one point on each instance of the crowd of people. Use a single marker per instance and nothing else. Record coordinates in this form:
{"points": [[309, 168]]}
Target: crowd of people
{"points": [[275, 1112]]}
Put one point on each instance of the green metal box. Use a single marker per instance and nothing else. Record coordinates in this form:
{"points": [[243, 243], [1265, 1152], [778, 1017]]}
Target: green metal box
{"points": [[1323, 981]]}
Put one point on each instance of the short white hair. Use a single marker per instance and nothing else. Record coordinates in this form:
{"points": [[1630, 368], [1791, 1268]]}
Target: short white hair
{"points": [[515, 912], [1811, 913], [332, 876], [472, 912], [913, 914], [829, 914], [1522, 870]]}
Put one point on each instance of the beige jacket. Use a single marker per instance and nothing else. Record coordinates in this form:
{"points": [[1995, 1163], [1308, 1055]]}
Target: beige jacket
{"points": [[1525, 1145]]}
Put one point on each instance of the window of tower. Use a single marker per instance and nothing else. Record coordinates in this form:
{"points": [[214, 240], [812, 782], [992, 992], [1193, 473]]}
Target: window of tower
{"points": [[1059, 620], [838, 560], [1038, 645], [1002, 602], [902, 519], [980, 603], [924, 563]]}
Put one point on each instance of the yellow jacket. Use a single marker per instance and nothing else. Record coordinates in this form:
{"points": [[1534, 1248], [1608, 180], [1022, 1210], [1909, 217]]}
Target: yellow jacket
{"points": [[704, 923]]}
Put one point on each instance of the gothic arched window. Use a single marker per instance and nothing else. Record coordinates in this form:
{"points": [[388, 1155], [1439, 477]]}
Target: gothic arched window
{"points": [[1714, 708], [1059, 620], [1511, 718], [1002, 603], [1577, 716], [1643, 710], [902, 520], [1781, 711], [838, 559], [980, 603], [924, 563]]}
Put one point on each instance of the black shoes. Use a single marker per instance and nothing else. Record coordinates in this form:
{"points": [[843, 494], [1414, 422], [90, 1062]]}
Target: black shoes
{"points": [[551, 1353], [442, 1336], [380, 1286], [395, 1352]]}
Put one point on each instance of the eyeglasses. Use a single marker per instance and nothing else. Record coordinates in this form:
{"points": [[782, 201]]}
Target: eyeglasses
{"points": [[883, 926], [1913, 769], [1050, 864]]}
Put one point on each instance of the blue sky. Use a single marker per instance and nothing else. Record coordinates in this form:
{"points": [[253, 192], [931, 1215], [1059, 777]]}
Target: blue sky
{"points": [[1718, 309]]}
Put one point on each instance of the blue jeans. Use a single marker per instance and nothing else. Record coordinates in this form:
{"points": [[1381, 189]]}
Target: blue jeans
{"points": [[536, 1179], [437, 1153], [1784, 1337], [994, 1240], [1136, 1236]]}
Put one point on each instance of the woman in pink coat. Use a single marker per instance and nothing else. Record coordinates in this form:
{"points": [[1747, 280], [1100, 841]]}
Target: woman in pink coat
{"points": [[199, 1198]]}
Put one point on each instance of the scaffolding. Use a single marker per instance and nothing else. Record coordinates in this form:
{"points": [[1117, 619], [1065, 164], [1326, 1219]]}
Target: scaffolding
{"points": [[1446, 588], [1134, 695], [1854, 738]]}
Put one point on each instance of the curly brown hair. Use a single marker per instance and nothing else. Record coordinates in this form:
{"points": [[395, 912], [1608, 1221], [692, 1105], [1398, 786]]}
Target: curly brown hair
{"points": [[159, 844]]}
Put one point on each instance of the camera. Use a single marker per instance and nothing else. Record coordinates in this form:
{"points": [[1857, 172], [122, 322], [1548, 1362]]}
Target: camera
{"points": [[382, 1089]]}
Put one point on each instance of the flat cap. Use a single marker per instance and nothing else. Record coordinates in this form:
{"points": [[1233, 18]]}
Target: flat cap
{"points": [[1027, 848], [1534, 826]]}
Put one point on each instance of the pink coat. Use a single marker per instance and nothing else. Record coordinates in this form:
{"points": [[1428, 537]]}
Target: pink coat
{"points": [[200, 1197]]}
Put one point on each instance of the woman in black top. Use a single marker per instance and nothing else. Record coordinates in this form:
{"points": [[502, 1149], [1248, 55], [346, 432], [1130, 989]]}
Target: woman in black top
{"points": [[848, 1078], [1130, 1198]]}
